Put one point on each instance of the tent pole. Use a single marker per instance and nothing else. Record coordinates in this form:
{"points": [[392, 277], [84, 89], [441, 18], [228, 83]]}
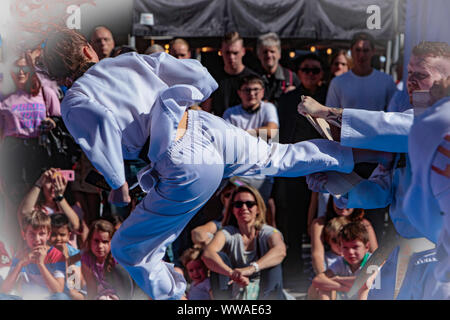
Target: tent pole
{"points": [[387, 68]]}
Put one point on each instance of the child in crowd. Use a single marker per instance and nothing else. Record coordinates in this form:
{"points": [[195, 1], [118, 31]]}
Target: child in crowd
{"points": [[105, 279], [47, 195], [331, 238], [200, 288], [59, 238], [339, 277], [38, 271]]}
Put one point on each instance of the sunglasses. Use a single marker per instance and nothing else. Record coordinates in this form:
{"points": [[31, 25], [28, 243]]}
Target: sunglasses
{"points": [[312, 70], [25, 69], [240, 204]]}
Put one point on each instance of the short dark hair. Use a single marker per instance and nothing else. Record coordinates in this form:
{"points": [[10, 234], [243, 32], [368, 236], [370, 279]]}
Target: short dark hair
{"points": [[363, 36], [308, 56], [432, 48], [60, 220], [250, 79], [354, 231]]}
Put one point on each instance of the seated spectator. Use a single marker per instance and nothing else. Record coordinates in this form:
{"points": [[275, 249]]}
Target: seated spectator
{"points": [[247, 251], [47, 195], [340, 276], [59, 238], [258, 118], [330, 238], [38, 271], [200, 287], [105, 279], [318, 242]]}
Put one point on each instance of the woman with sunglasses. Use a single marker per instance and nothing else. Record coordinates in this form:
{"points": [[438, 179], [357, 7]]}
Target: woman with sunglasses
{"points": [[24, 116], [247, 250]]}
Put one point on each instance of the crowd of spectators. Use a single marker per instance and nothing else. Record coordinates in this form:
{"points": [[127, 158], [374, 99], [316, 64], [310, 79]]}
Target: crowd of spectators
{"points": [[56, 234]]}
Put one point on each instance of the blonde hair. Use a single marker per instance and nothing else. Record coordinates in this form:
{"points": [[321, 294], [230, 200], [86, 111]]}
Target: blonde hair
{"points": [[333, 227], [191, 254], [36, 219], [230, 219]]}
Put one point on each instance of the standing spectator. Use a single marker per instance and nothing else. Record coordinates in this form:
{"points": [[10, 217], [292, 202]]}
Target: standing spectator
{"points": [[200, 288], [179, 48], [257, 117], [318, 241], [253, 251], [233, 50], [24, 121], [277, 79], [38, 271], [340, 63], [364, 86], [102, 41]]}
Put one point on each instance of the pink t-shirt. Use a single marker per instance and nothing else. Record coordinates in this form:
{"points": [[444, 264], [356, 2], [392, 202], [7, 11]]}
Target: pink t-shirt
{"points": [[21, 113]]}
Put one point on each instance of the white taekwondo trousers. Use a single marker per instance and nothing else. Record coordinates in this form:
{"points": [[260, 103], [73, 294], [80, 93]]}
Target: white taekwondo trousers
{"points": [[119, 102]]}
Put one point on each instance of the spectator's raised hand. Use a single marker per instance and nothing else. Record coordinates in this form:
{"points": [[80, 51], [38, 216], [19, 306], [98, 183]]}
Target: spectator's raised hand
{"points": [[316, 181], [59, 183]]}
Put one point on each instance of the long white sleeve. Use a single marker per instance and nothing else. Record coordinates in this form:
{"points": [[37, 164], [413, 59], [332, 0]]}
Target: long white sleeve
{"points": [[97, 132], [376, 130]]}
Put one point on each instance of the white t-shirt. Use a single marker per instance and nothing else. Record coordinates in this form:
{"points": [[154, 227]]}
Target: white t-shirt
{"points": [[245, 120], [372, 92]]}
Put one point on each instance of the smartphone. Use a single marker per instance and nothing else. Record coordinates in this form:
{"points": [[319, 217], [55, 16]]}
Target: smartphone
{"points": [[69, 175], [96, 179]]}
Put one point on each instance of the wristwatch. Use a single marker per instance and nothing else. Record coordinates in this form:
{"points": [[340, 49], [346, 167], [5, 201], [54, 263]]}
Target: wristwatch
{"points": [[58, 198], [255, 265]]}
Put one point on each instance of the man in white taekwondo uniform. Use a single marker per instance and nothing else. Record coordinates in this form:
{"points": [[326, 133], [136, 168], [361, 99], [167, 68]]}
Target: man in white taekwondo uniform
{"points": [[388, 131], [429, 148], [114, 106]]}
